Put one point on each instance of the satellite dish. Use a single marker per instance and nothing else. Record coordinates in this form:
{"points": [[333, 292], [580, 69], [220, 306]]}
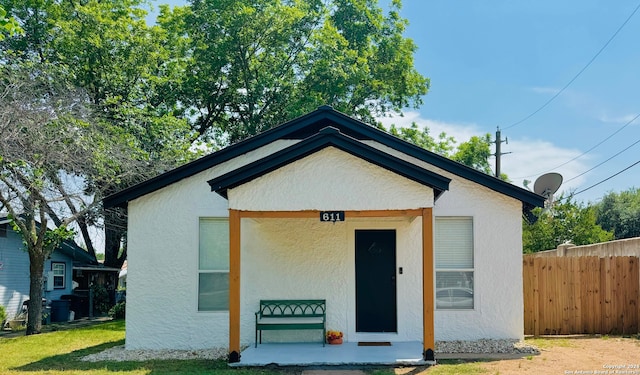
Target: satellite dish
{"points": [[547, 184]]}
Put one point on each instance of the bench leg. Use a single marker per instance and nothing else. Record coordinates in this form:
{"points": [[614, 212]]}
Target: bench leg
{"points": [[324, 336], [260, 336], [256, 338]]}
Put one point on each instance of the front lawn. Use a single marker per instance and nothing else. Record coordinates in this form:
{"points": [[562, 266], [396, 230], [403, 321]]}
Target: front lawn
{"points": [[60, 352]]}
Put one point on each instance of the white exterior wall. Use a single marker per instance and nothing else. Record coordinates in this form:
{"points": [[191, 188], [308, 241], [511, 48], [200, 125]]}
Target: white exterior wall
{"points": [[279, 256], [330, 179], [162, 262], [497, 231]]}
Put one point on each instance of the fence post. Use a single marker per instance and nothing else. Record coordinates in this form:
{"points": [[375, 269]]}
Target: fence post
{"points": [[561, 251], [536, 297]]}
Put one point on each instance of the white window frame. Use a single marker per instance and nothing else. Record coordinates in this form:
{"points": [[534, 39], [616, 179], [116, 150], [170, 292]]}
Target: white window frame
{"points": [[440, 268], [55, 273], [203, 271]]}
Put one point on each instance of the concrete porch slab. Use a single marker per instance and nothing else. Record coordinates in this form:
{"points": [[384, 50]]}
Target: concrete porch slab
{"points": [[349, 353]]}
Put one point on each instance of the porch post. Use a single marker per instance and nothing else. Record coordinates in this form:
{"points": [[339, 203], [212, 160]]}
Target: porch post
{"points": [[234, 286], [428, 307]]}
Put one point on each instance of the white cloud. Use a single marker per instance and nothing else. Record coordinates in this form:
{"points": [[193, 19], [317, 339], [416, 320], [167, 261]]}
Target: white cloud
{"points": [[545, 90], [532, 158], [616, 119], [461, 132], [528, 158]]}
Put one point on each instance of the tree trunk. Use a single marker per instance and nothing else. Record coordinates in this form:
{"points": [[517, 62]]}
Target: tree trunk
{"points": [[36, 267], [115, 224]]}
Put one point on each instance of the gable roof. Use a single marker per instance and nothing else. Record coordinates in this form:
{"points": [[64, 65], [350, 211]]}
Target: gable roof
{"points": [[327, 137], [76, 253], [305, 126]]}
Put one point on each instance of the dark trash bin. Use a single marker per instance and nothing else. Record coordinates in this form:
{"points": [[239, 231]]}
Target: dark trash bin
{"points": [[77, 305], [60, 310]]}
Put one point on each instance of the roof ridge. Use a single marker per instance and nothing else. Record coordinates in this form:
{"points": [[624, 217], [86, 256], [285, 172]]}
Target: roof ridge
{"points": [[312, 123]]}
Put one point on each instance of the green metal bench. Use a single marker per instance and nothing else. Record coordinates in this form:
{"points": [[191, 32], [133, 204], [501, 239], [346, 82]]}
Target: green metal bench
{"points": [[291, 314]]}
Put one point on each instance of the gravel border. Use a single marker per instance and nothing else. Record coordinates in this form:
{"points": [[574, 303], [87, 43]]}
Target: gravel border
{"points": [[120, 354], [487, 346]]}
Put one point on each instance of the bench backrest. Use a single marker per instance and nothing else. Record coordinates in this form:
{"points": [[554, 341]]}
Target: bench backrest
{"points": [[292, 307]]}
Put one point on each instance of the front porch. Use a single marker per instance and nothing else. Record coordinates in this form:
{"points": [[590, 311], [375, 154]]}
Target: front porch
{"points": [[279, 267], [347, 354]]}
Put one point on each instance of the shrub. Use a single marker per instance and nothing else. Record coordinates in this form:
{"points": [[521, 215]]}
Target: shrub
{"points": [[118, 310], [3, 316], [101, 303]]}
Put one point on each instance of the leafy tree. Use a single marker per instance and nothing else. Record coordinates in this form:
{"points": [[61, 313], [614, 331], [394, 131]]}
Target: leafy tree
{"points": [[253, 64], [119, 61], [8, 25], [48, 143], [421, 137], [565, 221], [475, 153], [620, 213], [220, 70], [106, 48]]}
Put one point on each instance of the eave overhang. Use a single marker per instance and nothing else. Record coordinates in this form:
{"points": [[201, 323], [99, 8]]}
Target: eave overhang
{"points": [[328, 137], [304, 127]]}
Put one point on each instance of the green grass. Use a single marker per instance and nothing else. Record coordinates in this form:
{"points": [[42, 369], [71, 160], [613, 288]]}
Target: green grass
{"points": [[59, 352], [548, 343], [444, 367]]}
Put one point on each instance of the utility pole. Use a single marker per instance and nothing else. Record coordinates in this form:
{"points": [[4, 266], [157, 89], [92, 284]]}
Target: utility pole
{"points": [[498, 153]]}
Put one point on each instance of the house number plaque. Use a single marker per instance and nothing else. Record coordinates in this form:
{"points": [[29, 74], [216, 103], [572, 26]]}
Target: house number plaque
{"points": [[332, 216]]}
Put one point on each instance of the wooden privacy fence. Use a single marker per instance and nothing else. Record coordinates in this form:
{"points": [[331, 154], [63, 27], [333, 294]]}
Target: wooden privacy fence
{"points": [[571, 295]]}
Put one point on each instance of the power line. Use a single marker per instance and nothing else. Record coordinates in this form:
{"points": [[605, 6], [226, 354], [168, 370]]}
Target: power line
{"points": [[606, 179], [620, 152], [586, 152], [577, 75]]}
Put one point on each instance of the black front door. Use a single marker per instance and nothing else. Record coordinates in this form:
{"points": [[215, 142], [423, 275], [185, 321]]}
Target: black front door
{"points": [[376, 281]]}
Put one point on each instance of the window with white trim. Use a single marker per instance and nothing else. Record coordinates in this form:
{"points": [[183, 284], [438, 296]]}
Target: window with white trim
{"points": [[454, 263], [213, 265], [59, 272]]}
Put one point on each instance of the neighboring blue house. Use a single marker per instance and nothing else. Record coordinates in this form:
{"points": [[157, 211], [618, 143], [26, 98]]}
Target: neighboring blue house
{"points": [[14, 269]]}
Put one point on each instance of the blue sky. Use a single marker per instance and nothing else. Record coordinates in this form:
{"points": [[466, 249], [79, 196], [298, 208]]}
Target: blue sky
{"points": [[494, 62]]}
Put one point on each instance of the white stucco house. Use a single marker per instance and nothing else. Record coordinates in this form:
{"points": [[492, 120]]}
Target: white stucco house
{"points": [[416, 247]]}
